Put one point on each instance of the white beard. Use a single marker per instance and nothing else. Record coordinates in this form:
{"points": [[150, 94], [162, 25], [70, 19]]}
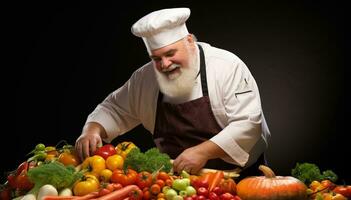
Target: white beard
{"points": [[181, 83]]}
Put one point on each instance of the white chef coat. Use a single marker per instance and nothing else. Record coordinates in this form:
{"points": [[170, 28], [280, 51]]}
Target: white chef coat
{"points": [[235, 102]]}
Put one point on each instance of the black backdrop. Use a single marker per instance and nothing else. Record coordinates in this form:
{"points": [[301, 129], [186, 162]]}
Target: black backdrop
{"points": [[70, 56]]}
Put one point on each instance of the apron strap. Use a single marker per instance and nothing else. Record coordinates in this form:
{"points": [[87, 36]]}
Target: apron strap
{"points": [[203, 72]]}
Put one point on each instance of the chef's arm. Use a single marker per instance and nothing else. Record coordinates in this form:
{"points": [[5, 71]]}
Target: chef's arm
{"points": [[194, 158], [242, 108], [211, 150], [94, 127]]}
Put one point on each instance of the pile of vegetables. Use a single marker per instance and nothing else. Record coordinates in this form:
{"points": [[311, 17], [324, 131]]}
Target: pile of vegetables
{"points": [[123, 171]]}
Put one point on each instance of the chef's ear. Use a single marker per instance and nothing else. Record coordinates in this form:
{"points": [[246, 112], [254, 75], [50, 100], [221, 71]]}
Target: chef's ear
{"points": [[191, 38]]}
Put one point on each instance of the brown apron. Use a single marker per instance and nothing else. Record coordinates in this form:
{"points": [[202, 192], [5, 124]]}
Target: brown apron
{"points": [[180, 126]]}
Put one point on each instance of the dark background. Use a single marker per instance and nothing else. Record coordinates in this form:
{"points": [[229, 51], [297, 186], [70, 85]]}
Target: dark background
{"points": [[70, 56]]}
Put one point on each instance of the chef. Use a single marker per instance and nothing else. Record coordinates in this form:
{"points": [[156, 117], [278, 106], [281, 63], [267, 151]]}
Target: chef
{"points": [[200, 103]]}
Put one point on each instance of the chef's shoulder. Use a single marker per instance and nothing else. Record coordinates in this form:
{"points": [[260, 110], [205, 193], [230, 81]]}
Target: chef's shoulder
{"points": [[144, 74], [221, 59], [223, 64]]}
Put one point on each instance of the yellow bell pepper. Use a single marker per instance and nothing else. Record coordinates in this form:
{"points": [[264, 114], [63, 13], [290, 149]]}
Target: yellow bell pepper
{"points": [[94, 165], [124, 148], [88, 184]]}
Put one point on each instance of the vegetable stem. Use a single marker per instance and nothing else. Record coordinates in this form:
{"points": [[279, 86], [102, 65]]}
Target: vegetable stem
{"points": [[268, 172]]}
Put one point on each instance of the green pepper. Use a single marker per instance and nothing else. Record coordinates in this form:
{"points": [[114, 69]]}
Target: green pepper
{"points": [[38, 156]]}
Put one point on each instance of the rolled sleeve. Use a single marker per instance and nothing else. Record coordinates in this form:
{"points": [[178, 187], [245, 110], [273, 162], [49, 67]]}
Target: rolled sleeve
{"points": [[237, 139], [243, 116]]}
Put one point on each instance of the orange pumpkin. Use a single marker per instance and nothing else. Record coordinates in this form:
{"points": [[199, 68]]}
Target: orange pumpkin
{"points": [[271, 187]]}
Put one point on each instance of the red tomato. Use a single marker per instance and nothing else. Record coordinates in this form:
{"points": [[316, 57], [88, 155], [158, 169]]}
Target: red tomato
{"points": [[213, 196], [23, 182], [136, 194], [162, 175], [328, 184], [226, 196], [146, 195], [109, 186], [236, 197], [127, 177], [217, 190], [160, 182], [197, 183], [344, 190], [168, 182], [5, 193], [144, 179], [155, 189], [200, 197], [106, 151], [228, 185], [188, 198], [202, 191]]}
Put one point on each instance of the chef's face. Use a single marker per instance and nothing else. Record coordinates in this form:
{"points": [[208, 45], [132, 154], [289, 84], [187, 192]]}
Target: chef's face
{"points": [[171, 58], [175, 67]]}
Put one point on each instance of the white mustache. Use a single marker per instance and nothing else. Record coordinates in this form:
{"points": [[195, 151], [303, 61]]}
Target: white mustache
{"points": [[172, 67]]}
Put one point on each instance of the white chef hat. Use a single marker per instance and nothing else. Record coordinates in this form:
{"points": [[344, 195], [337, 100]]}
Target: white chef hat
{"points": [[163, 27]]}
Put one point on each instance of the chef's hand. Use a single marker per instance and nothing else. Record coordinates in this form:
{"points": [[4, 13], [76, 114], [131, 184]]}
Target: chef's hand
{"points": [[191, 160], [89, 140]]}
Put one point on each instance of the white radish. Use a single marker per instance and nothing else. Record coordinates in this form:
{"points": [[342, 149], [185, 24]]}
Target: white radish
{"points": [[28, 197], [46, 190], [66, 192]]}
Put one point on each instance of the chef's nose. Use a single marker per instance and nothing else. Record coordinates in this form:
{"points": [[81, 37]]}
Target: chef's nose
{"points": [[165, 63]]}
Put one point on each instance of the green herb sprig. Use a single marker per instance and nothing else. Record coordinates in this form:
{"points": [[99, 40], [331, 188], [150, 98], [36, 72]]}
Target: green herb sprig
{"points": [[151, 161]]}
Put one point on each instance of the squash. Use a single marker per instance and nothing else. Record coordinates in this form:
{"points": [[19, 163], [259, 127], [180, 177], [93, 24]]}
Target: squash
{"points": [[271, 187]]}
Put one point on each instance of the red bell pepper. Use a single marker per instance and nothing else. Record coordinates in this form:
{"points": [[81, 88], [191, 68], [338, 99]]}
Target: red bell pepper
{"points": [[106, 151], [19, 179]]}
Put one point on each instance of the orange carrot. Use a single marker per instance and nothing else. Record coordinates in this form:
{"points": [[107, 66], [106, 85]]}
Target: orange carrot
{"points": [[217, 177], [120, 194], [207, 177], [52, 197], [84, 197], [87, 196]]}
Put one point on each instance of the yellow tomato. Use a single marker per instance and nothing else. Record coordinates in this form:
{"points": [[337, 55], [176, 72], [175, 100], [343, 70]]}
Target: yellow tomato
{"points": [[314, 185], [50, 157], [68, 159], [114, 162], [124, 148], [94, 164], [89, 184], [105, 175]]}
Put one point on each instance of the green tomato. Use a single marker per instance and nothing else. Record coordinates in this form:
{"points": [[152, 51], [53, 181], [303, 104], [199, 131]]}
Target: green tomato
{"points": [[165, 189], [170, 194], [185, 174], [187, 181], [40, 147], [177, 197], [190, 190], [179, 184], [183, 193]]}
